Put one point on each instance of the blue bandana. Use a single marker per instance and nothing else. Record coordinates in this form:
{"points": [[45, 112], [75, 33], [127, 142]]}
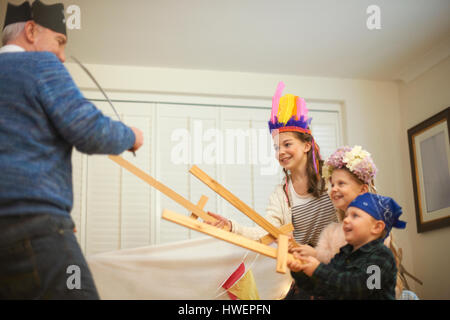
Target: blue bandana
{"points": [[381, 208]]}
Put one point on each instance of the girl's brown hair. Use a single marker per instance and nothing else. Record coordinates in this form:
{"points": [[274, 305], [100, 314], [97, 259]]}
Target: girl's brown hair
{"points": [[316, 184]]}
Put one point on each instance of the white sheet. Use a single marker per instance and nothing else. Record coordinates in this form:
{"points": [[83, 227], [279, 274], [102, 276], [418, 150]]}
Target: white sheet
{"points": [[193, 269]]}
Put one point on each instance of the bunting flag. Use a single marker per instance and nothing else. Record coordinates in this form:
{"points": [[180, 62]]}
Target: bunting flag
{"points": [[241, 285], [245, 288], [235, 276], [187, 270]]}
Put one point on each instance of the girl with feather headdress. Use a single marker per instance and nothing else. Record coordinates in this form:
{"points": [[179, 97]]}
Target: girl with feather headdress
{"points": [[301, 198]]}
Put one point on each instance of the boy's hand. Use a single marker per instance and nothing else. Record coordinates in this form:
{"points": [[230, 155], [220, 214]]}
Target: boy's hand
{"points": [[310, 265], [307, 264], [295, 265]]}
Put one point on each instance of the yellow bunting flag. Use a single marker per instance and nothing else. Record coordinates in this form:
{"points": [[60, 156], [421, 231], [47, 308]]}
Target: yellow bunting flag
{"points": [[245, 288]]}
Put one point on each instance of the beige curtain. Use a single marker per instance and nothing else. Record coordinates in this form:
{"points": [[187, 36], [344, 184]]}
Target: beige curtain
{"points": [[192, 269]]}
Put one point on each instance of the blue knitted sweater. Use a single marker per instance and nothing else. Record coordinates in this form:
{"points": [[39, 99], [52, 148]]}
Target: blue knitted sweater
{"points": [[43, 115]]}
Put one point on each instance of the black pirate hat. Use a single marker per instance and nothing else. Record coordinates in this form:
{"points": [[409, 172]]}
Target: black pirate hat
{"points": [[50, 16], [20, 13]]}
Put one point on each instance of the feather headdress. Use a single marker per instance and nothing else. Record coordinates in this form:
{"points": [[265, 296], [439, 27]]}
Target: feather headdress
{"points": [[289, 113]]}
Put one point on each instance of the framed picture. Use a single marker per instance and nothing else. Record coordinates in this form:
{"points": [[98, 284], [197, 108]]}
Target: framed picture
{"points": [[429, 150]]}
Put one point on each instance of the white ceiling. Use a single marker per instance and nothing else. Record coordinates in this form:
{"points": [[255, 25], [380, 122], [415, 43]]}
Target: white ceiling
{"points": [[301, 37]]}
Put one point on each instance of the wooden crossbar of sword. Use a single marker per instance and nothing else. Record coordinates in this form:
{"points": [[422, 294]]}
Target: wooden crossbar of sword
{"points": [[197, 210], [274, 232], [280, 253], [162, 188], [262, 247]]}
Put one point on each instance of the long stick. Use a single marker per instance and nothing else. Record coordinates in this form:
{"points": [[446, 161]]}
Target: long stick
{"points": [[162, 188], [201, 204], [274, 232], [286, 229], [283, 242], [235, 201], [223, 235]]}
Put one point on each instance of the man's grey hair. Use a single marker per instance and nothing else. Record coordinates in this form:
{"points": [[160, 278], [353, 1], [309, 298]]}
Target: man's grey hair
{"points": [[12, 31]]}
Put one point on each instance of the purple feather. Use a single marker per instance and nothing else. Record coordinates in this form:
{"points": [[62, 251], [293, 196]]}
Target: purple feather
{"points": [[291, 123]]}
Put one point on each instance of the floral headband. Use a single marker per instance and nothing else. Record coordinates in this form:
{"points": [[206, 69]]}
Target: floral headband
{"points": [[355, 159]]}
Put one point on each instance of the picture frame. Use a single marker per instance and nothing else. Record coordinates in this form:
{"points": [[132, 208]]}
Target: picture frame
{"points": [[429, 150]]}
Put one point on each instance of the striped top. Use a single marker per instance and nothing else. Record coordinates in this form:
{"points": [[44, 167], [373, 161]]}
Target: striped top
{"points": [[308, 214], [310, 218]]}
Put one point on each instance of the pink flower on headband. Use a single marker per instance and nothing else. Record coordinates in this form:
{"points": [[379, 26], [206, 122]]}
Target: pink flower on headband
{"points": [[356, 160]]}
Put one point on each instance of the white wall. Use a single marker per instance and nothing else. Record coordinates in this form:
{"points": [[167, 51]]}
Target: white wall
{"points": [[420, 99], [371, 111]]}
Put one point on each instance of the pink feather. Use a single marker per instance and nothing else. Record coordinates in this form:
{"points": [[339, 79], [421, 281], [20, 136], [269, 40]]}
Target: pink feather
{"points": [[301, 109], [276, 100]]}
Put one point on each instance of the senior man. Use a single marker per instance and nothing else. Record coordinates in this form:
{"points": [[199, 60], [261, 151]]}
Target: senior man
{"points": [[43, 115]]}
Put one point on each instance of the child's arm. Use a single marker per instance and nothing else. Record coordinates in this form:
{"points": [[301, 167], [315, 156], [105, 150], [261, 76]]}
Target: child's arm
{"points": [[352, 283], [336, 281], [276, 213], [301, 271], [307, 265]]}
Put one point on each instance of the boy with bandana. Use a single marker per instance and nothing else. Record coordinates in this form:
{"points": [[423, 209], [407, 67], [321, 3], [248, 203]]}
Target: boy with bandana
{"points": [[364, 268]]}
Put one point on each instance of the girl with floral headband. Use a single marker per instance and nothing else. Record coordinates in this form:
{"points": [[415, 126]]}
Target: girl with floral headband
{"points": [[351, 172]]}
